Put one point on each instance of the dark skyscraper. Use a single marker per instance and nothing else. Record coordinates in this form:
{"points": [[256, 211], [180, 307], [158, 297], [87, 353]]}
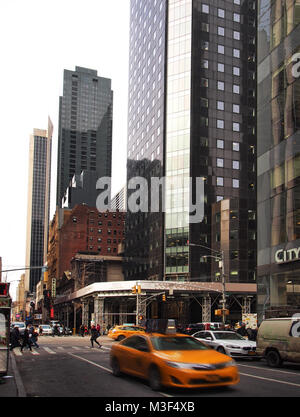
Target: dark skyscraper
{"points": [[38, 203], [192, 114], [85, 127], [278, 166]]}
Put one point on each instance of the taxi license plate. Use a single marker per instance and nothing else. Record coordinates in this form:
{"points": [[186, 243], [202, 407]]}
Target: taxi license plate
{"points": [[213, 378]]}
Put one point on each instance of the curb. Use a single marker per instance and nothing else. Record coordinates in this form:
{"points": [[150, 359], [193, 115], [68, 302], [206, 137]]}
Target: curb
{"points": [[20, 387]]}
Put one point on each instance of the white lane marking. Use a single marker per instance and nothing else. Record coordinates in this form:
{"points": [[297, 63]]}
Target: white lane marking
{"points": [[271, 380], [18, 353], [106, 369], [271, 369], [33, 352], [49, 350], [92, 363], [76, 348]]}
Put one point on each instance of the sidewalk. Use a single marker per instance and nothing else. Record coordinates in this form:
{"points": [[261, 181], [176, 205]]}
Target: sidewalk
{"points": [[12, 385]]}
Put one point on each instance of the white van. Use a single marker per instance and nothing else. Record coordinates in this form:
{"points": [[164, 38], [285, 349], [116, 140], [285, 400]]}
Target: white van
{"points": [[278, 340]]}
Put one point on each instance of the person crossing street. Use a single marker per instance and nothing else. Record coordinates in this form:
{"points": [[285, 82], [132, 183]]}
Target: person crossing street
{"points": [[94, 336]]}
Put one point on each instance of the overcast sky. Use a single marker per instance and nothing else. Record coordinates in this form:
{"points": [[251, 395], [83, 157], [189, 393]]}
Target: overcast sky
{"points": [[39, 39]]}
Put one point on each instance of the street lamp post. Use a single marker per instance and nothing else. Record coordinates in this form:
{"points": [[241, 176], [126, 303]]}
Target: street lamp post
{"points": [[219, 257]]}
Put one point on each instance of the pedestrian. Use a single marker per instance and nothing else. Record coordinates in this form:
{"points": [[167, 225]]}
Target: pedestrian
{"points": [[86, 331], [94, 336], [242, 330], [40, 331], [26, 340], [15, 338], [34, 336], [82, 330], [98, 328]]}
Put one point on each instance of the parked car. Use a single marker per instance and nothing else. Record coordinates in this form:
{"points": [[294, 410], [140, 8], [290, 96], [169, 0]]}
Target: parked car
{"points": [[192, 328], [21, 325], [278, 340], [47, 329], [229, 343]]}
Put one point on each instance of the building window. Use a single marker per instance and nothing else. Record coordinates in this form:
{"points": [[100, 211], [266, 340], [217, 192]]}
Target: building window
{"points": [[221, 85], [220, 162], [221, 68], [220, 181], [221, 13], [236, 17], [236, 35], [235, 164], [235, 183], [236, 53], [220, 124], [236, 127], [220, 105], [236, 89], [236, 108], [221, 31], [236, 146], [205, 8], [221, 49], [220, 144]]}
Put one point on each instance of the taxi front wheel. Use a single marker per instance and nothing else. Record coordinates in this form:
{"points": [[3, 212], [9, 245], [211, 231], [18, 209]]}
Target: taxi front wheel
{"points": [[154, 378]]}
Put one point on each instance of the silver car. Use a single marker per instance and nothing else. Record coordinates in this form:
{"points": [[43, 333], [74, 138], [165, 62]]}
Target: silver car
{"points": [[230, 343]]}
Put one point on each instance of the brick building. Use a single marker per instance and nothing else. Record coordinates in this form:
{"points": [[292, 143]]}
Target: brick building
{"points": [[82, 229]]}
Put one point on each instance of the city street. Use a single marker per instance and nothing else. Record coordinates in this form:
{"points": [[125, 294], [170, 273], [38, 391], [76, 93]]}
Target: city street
{"points": [[69, 367]]}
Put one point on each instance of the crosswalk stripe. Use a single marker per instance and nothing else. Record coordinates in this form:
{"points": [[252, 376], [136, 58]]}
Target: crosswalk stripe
{"points": [[18, 353], [49, 350]]}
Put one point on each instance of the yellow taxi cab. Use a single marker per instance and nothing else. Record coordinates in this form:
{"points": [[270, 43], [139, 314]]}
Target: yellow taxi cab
{"points": [[167, 358], [121, 332]]}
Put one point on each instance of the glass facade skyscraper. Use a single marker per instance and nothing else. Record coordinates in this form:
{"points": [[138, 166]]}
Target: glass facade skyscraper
{"points": [[192, 114], [278, 157], [85, 127], [39, 180]]}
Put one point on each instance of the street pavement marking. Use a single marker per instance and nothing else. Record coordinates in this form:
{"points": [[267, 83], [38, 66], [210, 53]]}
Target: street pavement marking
{"points": [[49, 350], [271, 379], [18, 353], [76, 348], [270, 369], [34, 352], [106, 369], [92, 363]]}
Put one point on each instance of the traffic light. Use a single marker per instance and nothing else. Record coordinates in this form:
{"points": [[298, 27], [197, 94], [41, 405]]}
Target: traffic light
{"points": [[164, 297], [139, 289], [218, 312], [133, 290], [4, 289]]}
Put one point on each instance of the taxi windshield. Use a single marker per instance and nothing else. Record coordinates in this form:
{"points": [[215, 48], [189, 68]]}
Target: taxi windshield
{"points": [[177, 343]]}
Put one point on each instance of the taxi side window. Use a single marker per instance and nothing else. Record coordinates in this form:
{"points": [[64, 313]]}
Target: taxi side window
{"points": [[137, 343]]}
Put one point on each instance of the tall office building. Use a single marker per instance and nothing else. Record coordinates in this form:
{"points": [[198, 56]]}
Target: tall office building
{"points": [[85, 127], [38, 203], [278, 167], [192, 114]]}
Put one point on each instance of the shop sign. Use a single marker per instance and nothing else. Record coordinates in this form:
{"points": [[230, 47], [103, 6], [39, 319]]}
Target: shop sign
{"points": [[289, 255]]}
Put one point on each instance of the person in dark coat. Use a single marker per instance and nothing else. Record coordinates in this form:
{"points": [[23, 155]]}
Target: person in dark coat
{"points": [[15, 338], [242, 330], [94, 336], [82, 330], [33, 334], [26, 340]]}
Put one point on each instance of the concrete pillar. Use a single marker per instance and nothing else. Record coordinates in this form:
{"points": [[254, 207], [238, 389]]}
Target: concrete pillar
{"points": [[85, 313], [99, 312], [123, 312], [206, 309]]}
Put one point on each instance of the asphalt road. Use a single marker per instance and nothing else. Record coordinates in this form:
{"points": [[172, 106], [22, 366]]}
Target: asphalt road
{"points": [[68, 367]]}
